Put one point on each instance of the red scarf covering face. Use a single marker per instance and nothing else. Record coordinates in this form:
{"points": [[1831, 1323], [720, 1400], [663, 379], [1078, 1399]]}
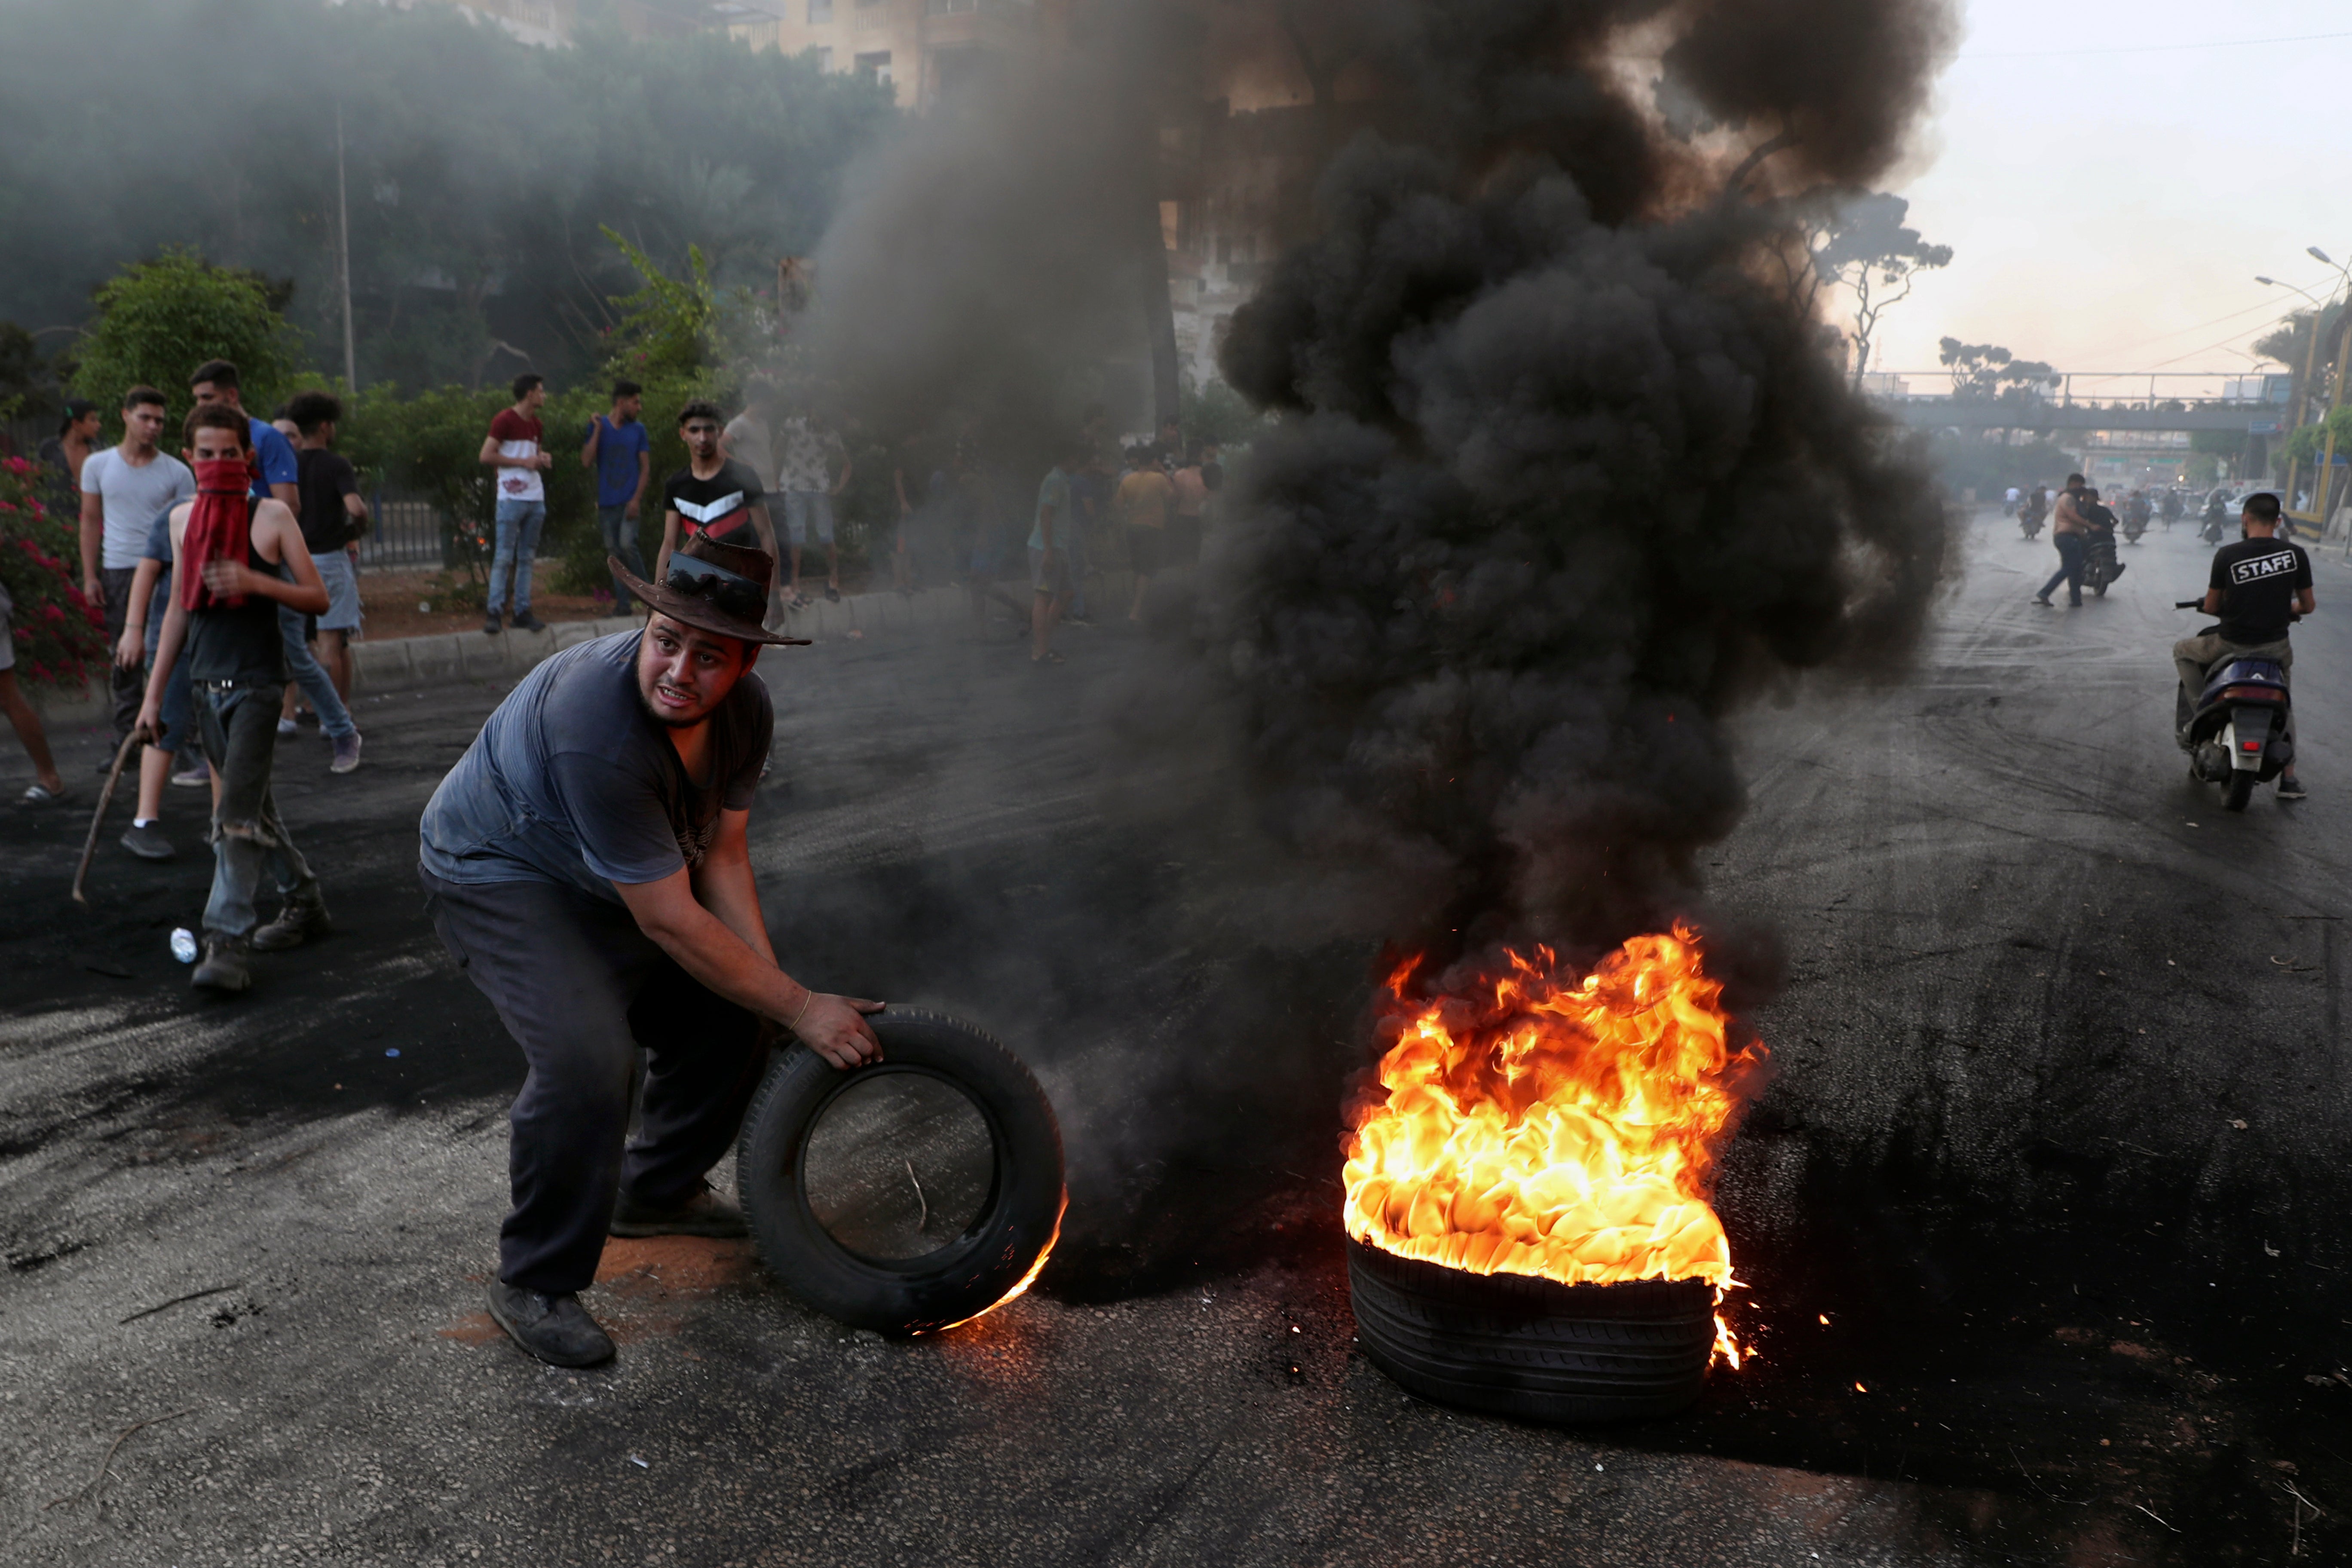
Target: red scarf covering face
{"points": [[219, 528]]}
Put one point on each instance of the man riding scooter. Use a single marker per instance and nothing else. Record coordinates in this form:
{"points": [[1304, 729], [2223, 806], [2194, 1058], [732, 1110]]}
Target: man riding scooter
{"points": [[2259, 584]]}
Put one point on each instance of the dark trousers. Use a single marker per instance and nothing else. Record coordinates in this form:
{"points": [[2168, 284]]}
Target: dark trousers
{"points": [[2070, 568], [238, 725], [580, 988], [126, 689]]}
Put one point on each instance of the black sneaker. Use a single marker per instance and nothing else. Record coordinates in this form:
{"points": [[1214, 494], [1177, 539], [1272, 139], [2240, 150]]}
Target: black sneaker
{"points": [[2043, 600], [705, 1213], [147, 842], [222, 967], [527, 622], [2290, 789], [296, 923], [556, 1329], [490, 624]]}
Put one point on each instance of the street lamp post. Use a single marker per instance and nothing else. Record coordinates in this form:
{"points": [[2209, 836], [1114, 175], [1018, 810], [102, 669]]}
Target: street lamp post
{"points": [[2303, 383], [2320, 486]]}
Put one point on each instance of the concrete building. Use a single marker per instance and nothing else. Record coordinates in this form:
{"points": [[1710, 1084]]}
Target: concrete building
{"points": [[552, 22], [919, 48]]}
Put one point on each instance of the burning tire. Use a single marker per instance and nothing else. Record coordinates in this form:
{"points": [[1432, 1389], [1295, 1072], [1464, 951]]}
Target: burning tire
{"points": [[817, 1171], [1515, 1345]]}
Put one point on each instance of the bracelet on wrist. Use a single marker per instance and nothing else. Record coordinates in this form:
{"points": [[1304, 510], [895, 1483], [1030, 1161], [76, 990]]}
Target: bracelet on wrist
{"points": [[806, 998]]}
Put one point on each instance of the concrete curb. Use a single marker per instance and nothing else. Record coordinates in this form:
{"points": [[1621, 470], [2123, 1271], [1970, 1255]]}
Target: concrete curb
{"points": [[403, 664]]}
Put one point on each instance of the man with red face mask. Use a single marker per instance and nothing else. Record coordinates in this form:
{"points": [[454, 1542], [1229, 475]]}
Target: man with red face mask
{"points": [[241, 557]]}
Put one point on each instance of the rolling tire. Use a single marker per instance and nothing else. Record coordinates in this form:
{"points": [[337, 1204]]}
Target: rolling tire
{"points": [[2241, 789], [1017, 1223], [1513, 1345]]}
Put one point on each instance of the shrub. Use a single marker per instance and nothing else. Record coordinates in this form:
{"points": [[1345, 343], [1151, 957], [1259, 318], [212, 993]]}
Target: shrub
{"points": [[158, 321], [60, 636]]}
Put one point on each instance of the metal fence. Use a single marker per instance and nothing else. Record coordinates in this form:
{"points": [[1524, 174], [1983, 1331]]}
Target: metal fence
{"points": [[404, 534]]}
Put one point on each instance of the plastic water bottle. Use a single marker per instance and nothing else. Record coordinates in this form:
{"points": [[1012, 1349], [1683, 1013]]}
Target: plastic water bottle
{"points": [[183, 945]]}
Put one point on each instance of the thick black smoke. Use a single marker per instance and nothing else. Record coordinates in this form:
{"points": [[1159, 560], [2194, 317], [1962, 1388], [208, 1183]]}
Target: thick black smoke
{"points": [[1564, 474]]}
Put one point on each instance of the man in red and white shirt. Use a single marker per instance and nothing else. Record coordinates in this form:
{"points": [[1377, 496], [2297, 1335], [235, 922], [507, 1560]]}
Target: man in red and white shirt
{"points": [[512, 452]]}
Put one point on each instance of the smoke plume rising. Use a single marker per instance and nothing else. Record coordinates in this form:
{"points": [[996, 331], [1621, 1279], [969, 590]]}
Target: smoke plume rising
{"points": [[1564, 473]]}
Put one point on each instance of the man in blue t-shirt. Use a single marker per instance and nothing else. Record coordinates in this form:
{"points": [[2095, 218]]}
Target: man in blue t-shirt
{"points": [[588, 864], [620, 451], [281, 476]]}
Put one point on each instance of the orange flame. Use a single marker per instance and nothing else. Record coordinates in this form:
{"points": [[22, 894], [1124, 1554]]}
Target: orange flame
{"points": [[1021, 1286], [1566, 1130]]}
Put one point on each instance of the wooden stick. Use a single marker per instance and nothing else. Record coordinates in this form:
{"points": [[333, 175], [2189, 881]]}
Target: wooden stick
{"points": [[98, 1479], [137, 737]]}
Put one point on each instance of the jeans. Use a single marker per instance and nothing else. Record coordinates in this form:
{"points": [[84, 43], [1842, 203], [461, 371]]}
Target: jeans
{"points": [[174, 714], [238, 725], [302, 667], [580, 988], [807, 510], [519, 523], [620, 532], [2070, 568], [126, 689]]}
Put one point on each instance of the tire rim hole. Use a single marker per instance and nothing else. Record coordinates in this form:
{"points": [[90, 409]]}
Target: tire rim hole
{"points": [[900, 1165]]}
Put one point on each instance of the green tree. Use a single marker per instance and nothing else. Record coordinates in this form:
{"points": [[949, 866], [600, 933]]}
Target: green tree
{"points": [[1865, 249], [2305, 445], [157, 321], [1987, 371], [665, 326]]}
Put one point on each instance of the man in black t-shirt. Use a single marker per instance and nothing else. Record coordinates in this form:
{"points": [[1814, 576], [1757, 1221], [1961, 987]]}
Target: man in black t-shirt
{"points": [[2259, 585], [713, 497], [334, 517]]}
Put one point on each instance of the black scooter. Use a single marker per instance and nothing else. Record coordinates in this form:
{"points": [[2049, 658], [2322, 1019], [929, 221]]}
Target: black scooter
{"points": [[2236, 735], [2100, 566]]}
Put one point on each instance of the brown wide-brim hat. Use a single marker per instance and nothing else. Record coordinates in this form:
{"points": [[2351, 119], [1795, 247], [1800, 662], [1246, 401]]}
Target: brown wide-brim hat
{"points": [[719, 588]]}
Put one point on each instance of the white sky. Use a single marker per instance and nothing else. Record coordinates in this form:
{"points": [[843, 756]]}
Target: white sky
{"points": [[2109, 200]]}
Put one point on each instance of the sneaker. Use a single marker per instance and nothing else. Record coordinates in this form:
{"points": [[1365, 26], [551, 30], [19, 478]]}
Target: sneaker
{"points": [[2041, 599], [306, 717], [833, 594], [525, 621], [222, 967], [197, 774], [287, 727], [296, 923], [705, 1213], [347, 753], [490, 624], [146, 840], [556, 1329], [2290, 789], [1086, 621]]}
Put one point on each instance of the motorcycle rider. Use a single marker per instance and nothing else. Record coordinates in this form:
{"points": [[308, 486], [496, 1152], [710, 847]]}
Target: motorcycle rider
{"points": [[2259, 585], [2067, 532], [2216, 510]]}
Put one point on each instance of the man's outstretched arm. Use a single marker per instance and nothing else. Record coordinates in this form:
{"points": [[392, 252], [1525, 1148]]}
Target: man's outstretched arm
{"points": [[708, 948]]}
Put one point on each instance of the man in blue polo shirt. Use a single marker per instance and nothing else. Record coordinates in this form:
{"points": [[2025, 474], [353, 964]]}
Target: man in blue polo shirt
{"points": [[620, 450]]}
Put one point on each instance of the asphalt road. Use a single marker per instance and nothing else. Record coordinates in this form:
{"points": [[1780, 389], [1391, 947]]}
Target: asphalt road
{"points": [[2040, 1218]]}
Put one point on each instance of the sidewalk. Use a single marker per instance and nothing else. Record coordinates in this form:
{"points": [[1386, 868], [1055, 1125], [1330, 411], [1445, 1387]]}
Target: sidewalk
{"points": [[402, 664]]}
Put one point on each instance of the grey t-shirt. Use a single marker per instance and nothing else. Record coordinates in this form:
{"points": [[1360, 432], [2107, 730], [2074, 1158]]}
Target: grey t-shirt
{"points": [[573, 782], [748, 443], [128, 498]]}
